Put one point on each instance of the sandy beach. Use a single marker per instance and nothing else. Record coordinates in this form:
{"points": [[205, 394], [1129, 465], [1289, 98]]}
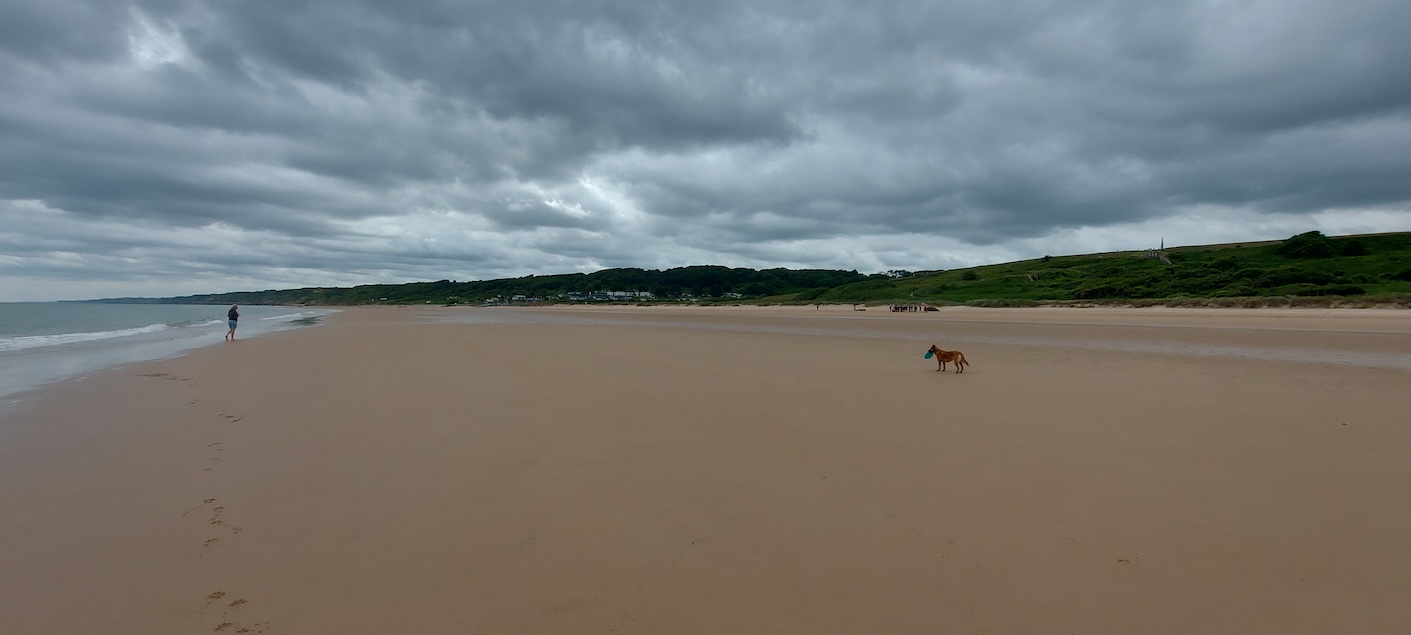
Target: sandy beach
{"points": [[726, 470]]}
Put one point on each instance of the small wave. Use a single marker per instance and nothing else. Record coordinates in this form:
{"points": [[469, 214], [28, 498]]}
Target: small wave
{"points": [[294, 317], [301, 318], [39, 341], [196, 323]]}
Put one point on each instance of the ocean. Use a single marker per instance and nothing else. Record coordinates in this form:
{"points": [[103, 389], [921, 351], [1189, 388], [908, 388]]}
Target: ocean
{"points": [[43, 342]]}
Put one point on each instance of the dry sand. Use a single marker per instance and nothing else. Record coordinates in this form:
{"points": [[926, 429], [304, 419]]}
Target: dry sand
{"points": [[732, 470]]}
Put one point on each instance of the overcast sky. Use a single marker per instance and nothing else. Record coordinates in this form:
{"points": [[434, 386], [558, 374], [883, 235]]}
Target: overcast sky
{"points": [[166, 147]]}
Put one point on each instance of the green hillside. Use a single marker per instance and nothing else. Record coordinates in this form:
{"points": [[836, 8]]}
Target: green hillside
{"points": [[697, 283], [1306, 269], [1374, 267]]}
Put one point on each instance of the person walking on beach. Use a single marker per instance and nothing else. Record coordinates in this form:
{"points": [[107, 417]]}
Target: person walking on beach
{"points": [[232, 318]]}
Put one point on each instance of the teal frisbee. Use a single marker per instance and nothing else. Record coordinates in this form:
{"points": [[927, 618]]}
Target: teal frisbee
{"points": [[929, 354]]}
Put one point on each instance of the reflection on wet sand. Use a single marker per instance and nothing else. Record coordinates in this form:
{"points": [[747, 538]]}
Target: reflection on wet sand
{"points": [[1381, 348]]}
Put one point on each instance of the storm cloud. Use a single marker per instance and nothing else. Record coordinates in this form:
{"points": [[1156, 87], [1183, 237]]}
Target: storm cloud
{"points": [[168, 147]]}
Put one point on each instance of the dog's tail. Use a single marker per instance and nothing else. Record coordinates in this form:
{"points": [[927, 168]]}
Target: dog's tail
{"points": [[960, 359]]}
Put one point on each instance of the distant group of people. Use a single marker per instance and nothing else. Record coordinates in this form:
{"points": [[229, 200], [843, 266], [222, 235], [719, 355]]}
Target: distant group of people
{"points": [[913, 307], [232, 319]]}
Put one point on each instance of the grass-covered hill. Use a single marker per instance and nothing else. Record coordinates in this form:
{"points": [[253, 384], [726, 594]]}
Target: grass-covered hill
{"points": [[692, 283], [1306, 269], [1369, 268]]}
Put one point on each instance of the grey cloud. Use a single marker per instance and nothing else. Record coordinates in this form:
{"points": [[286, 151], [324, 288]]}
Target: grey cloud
{"points": [[62, 31], [581, 134]]}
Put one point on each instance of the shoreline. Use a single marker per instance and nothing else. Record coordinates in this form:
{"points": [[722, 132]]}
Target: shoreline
{"points": [[1378, 320], [389, 472], [30, 360]]}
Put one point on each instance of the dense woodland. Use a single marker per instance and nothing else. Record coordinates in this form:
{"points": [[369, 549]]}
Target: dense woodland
{"points": [[1310, 265]]}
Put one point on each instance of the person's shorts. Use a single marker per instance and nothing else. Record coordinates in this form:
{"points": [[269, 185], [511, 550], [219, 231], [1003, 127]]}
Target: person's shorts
{"points": [[231, 323]]}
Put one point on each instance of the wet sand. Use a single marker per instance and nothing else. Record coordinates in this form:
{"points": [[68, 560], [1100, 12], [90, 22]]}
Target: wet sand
{"points": [[727, 470]]}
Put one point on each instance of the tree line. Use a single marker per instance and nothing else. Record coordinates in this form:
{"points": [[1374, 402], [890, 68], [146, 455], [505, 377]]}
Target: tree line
{"points": [[1309, 264], [694, 282]]}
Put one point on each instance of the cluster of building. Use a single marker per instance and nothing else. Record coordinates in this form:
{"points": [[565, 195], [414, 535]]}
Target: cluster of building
{"points": [[575, 296], [594, 296]]}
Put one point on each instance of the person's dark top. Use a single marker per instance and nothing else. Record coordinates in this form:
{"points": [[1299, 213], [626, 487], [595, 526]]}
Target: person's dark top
{"points": [[232, 314]]}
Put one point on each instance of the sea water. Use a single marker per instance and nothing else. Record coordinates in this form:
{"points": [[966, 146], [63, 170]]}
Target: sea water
{"points": [[42, 342]]}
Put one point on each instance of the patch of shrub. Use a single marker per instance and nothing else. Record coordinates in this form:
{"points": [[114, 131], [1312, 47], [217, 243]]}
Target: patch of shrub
{"points": [[1336, 289], [1293, 275], [1238, 291], [1099, 291], [1224, 263], [1203, 284], [1307, 245], [970, 276], [1294, 289], [1001, 303]]}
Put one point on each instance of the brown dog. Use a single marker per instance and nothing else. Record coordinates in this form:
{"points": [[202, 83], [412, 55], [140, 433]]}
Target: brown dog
{"points": [[948, 356]]}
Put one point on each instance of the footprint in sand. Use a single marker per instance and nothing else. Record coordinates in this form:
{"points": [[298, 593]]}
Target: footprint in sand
{"points": [[230, 616], [217, 520], [169, 377], [204, 503], [213, 447]]}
